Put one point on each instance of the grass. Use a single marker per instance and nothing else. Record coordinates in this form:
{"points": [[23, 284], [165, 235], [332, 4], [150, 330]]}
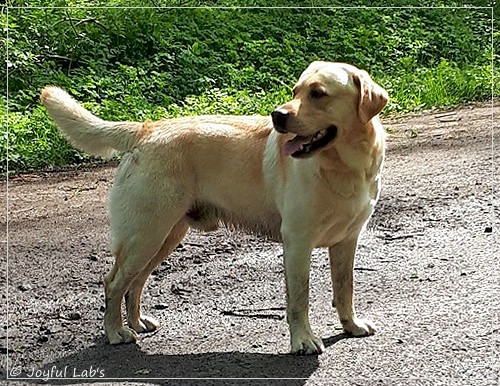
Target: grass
{"points": [[34, 141], [443, 86]]}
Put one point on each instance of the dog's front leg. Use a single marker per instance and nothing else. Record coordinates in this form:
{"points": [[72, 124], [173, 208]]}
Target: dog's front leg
{"points": [[297, 258], [342, 266]]}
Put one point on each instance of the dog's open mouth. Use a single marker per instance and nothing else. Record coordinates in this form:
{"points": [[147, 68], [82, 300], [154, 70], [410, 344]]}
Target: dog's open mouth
{"points": [[302, 147]]}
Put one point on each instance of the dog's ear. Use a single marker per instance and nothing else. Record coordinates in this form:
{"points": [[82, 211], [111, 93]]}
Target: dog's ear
{"points": [[372, 97]]}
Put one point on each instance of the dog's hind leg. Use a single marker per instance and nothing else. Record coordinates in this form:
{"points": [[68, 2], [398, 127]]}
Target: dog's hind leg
{"points": [[140, 221], [135, 319], [135, 251]]}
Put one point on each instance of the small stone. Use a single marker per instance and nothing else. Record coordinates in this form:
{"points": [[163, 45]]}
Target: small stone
{"points": [[43, 339], [43, 327], [488, 230], [25, 287], [74, 316], [161, 306]]}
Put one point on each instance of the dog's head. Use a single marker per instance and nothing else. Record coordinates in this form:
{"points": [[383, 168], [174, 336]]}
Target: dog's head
{"points": [[330, 100]]}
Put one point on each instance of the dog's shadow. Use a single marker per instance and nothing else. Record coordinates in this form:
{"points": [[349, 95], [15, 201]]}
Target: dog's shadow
{"points": [[102, 362]]}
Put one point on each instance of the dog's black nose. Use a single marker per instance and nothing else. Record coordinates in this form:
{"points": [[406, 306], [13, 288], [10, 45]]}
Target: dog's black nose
{"points": [[280, 117]]}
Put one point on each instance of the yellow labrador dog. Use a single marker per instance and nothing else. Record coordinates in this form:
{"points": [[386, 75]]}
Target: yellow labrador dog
{"points": [[308, 176]]}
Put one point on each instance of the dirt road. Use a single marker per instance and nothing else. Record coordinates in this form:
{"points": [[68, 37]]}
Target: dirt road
{"points": [[427, 273]]}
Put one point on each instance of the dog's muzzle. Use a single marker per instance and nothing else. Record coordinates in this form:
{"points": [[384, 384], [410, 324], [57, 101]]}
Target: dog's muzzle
{"points": [[301, 146]]}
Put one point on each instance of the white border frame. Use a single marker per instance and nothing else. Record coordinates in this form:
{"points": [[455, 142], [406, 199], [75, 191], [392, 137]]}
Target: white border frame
{"points": [[92, 380]]}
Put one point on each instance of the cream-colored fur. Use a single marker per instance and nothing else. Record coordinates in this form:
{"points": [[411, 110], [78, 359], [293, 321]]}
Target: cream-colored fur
{"points": [[203, 171]]}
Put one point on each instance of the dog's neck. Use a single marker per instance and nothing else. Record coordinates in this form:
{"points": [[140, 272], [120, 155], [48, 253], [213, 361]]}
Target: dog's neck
{"points": [[363, 156], [361, 163]]}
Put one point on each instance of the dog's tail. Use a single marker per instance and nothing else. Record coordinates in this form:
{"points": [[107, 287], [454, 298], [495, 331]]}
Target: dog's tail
{"points": [[87, 132]]}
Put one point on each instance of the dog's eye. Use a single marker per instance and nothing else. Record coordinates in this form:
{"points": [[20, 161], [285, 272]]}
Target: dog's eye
{"points": [[317, 94]]}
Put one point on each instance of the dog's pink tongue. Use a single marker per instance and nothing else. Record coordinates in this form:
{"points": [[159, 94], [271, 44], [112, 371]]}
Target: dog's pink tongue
{"points": [[294, 145]]}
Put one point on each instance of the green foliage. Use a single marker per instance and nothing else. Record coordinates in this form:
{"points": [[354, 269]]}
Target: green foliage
{"points": [[133, 64], [34, 142], [443, 85]]}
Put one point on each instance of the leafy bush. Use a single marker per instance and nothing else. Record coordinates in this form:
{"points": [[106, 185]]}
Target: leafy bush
{"points": [[152, 63]]}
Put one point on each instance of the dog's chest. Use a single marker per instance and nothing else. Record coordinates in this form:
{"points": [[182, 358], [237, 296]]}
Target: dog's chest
{"points": [[346, 215]]}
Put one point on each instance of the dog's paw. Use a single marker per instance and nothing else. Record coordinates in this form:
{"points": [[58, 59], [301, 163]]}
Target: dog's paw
{"points": [[121, 335], [359, 327], [307, 344], [144, 324]]}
